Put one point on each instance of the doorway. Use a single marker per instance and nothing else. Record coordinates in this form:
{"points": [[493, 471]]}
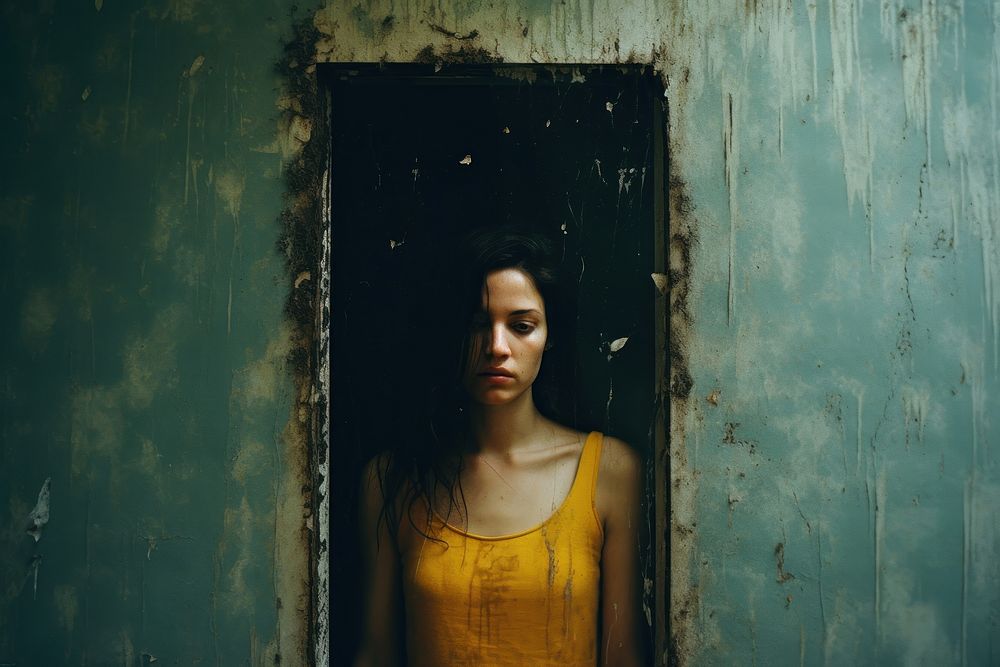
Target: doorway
{"points": [[420, 155]]}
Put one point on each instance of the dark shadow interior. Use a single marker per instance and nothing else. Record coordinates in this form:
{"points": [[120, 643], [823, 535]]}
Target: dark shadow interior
{"points": [[421, 156]]}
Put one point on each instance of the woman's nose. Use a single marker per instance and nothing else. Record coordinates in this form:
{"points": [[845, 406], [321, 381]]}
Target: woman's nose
{"points": [[498, 346]]}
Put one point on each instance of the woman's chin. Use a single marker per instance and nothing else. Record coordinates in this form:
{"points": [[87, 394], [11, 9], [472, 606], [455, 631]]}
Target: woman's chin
{"points": [[495, 397]]}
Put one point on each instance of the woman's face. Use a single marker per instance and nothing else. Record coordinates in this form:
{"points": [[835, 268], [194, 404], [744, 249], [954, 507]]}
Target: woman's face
{"points": [[508, 338]]}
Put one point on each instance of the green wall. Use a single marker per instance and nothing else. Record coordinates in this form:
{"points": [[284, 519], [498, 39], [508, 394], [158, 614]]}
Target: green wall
{"points": [[143, 352], [833, 467], [845, 179]]}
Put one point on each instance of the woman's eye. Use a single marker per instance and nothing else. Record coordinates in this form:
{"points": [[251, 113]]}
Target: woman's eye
{"points": [[523, 327]]}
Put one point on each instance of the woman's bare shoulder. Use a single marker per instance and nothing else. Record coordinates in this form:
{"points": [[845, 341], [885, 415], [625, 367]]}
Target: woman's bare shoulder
{"points": [[377, 466], [381, 481], [619, 461], [561, 434], [619, 480], [382, 475]]}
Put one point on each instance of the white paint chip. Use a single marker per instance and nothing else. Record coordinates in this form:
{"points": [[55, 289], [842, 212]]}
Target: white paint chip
{"points": [[40, 514], [85, 94], [618, 343], [506, 130], [609, 106], [660, 280], [196, 65], [548, 123], [36, 562], [467, 160]]}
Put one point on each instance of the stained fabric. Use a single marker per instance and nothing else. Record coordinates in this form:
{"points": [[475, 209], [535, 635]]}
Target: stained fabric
{"points": [[529, 598]]}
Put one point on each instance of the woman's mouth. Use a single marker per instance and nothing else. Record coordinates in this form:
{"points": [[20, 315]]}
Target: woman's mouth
{"points": [[497, 372], [497, 375]]}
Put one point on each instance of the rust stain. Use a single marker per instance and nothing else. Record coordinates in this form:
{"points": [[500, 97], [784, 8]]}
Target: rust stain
{"points": [[779, 559]]}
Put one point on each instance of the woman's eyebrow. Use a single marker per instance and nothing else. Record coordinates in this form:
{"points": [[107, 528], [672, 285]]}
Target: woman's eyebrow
{"points": [[484, 314]]}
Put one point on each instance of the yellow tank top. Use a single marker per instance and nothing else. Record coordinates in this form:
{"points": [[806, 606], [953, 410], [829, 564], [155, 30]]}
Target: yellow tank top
{"points": [[530, 598]]}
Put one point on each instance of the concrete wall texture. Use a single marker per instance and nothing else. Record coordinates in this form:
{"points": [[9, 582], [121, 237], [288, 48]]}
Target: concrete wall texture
{"points": [[145, 351], [835, 321]]}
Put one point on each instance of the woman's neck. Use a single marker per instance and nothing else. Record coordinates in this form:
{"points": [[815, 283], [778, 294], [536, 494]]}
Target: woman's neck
{"points": [[502, 429]]}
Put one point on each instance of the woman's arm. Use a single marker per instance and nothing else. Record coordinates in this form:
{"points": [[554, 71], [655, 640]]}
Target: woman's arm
{"points": [[382, 619], [619, 485]]}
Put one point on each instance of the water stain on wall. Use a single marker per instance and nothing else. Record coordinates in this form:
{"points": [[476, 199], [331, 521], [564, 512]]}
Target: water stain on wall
{"points": [[38, 317], [96, 427], [150, 359]]}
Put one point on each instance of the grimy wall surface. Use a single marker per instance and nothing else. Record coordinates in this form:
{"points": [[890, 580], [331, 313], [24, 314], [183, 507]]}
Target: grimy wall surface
{"points": [[835, 306], [148, 409], [835, 317]]}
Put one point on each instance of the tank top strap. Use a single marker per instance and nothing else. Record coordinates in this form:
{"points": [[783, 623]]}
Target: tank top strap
{"points": [[585, 485]]}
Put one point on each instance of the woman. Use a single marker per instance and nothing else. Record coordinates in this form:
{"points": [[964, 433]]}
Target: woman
{"points": [[502, 537]]}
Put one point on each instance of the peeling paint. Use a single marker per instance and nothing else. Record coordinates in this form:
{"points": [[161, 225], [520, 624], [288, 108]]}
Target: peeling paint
{"points": [[39, 515], [321, 399], [304, 613], [617, 344], [660, 280]]}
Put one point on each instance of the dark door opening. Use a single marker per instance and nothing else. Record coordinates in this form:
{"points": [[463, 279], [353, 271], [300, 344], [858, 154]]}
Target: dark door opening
{"points": [[419, 157]]}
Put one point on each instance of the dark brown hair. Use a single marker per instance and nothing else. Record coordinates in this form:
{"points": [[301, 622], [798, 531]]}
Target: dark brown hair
{"points": [[429, 459]]}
